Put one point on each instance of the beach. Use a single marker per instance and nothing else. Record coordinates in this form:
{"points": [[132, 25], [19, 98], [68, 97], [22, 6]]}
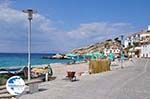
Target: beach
{"points": [[86, 87], [60, 70]]}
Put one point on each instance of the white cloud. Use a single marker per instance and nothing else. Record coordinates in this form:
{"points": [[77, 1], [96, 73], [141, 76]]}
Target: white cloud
{"points": [[99, 29]]}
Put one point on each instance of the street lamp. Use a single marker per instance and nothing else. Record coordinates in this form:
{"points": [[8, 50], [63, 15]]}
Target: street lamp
{"points": [[30, 13], [122, 51]]}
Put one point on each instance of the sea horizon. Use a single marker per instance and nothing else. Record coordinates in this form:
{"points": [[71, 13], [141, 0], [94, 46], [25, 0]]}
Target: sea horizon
{"points": [[21, 59]]}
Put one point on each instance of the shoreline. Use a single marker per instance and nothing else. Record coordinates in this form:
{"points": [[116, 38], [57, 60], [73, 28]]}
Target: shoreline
{"points": [[15, 67]]}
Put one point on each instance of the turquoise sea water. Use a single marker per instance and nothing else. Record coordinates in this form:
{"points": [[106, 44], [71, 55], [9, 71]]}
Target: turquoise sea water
{"points": [[20, 59]]}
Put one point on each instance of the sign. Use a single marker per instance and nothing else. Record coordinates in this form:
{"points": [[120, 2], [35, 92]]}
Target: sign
{"points": [[15, 85]]}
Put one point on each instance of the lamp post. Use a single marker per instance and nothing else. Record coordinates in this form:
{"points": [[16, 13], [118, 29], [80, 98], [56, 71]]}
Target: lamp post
{"points": [[122, 51], [30, 13]]}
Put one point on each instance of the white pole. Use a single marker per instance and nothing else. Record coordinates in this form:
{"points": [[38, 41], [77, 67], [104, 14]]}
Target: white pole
{"points": [[29, 51], [46, 76], [121, 51], [30, 12]]}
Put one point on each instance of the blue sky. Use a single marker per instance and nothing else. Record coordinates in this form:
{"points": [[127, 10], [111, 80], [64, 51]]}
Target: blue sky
{"points": [[61, 25]]}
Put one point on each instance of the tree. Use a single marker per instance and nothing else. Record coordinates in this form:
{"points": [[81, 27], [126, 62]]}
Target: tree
{"points": [[135, 44]]}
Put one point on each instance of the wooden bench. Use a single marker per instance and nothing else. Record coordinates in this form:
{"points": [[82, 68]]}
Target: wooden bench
{"points": [[7, 96], [4, 94], [2, 87]]}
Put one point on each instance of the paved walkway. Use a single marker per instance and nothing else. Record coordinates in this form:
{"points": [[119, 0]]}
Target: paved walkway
{"points": [[132, 82]]}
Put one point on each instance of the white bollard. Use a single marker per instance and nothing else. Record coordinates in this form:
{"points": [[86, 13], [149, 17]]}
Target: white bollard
{"points": [[46, 77]]}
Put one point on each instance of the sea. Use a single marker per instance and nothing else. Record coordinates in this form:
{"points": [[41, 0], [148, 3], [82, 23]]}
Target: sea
{"points": [[21, 59]]}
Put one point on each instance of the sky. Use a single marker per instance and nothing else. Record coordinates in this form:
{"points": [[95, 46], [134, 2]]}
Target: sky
{"points": [[62, 25]]}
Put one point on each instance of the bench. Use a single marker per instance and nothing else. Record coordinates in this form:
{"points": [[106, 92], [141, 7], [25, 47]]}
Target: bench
{"points": [[7, 96]]}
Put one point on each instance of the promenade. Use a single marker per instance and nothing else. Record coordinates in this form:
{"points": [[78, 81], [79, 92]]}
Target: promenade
{"points": [[131, 82]]}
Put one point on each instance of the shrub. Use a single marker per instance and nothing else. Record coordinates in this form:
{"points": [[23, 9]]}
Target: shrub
{"points": [[3, 79]]}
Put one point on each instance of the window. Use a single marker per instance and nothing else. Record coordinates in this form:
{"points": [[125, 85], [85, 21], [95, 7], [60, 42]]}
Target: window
{"points": [[129, 44], [147, 55]]}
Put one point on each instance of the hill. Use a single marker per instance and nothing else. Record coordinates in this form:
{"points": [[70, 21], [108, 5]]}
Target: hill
{"points": [[100, 46]]}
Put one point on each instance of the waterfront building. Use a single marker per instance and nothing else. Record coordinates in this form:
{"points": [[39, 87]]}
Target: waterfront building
{"points": [[145, 50]]}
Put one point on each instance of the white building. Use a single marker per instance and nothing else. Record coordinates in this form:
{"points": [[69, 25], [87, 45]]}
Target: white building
{"points": [[116, 51], [145, 37], [140, 37], [145, 50], [130, 40]]}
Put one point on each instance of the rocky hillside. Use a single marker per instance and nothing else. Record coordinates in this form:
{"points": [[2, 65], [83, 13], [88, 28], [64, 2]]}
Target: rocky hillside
{"points": [[98, 46]]}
